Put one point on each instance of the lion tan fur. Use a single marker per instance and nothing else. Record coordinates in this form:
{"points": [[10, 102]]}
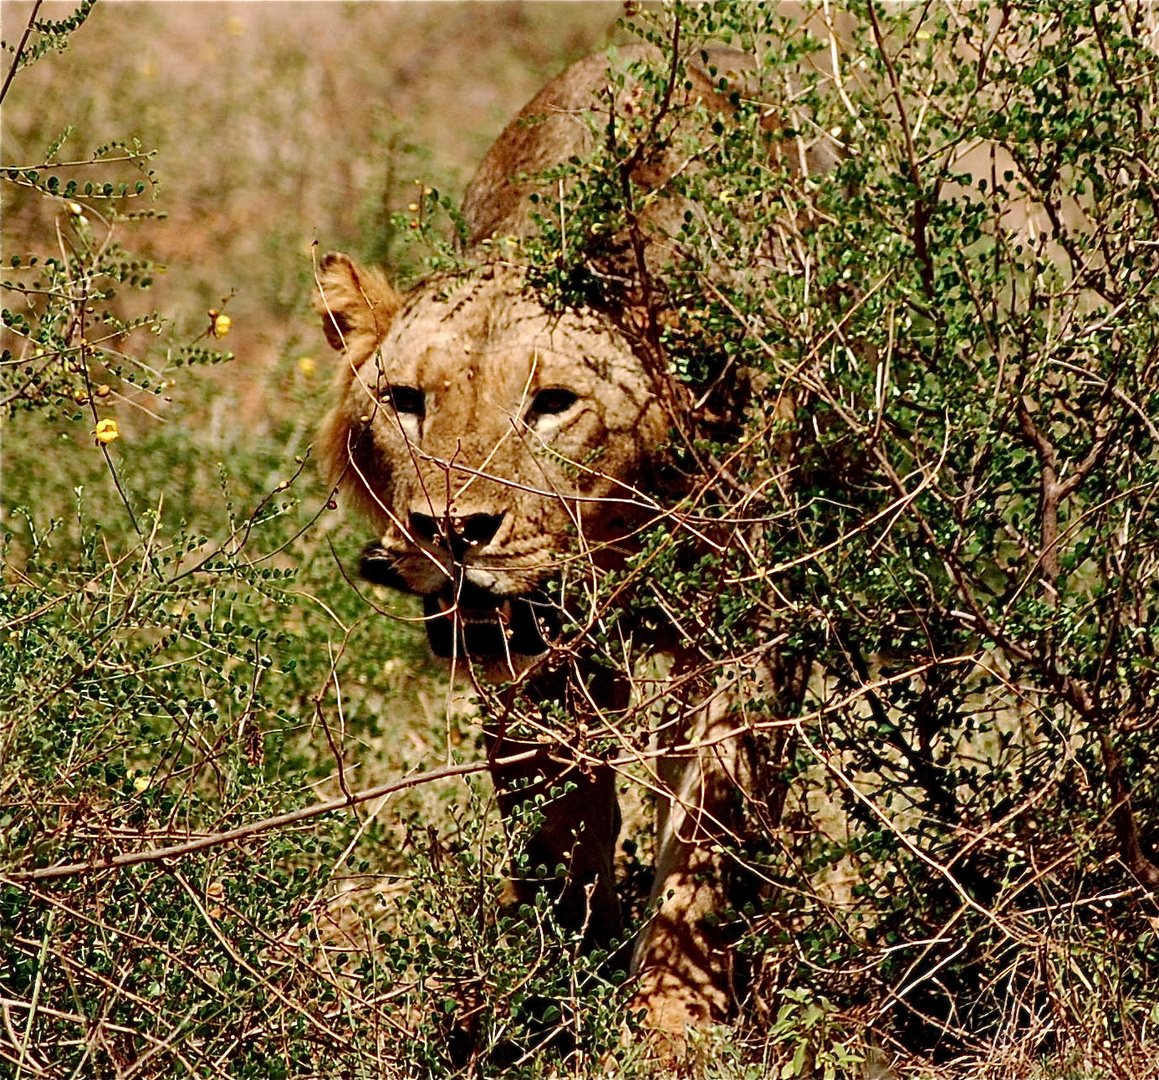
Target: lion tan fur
{"points": [[491, 443], [481, 351]]}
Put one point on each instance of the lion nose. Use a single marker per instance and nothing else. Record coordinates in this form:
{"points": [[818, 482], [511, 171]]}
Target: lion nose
{"points": [[460, 533]]}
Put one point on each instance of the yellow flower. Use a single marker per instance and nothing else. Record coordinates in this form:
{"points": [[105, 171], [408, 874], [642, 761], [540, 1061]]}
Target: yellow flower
{"points": [[307, 365], [221, 325], [107, 431], [141, 783]]}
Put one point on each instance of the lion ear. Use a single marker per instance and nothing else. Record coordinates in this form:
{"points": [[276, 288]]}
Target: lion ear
{"points": [[354, 301]]}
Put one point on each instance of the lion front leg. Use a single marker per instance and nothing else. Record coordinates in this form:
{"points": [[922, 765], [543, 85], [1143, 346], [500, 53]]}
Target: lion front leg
{"points": [[721, 775], [681, 959], [570, 852]]}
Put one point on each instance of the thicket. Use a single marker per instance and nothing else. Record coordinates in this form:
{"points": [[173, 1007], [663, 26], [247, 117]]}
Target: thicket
{"points": [[920, 458]]}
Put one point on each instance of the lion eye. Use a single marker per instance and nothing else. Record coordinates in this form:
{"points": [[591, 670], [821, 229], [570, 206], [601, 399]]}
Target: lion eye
{"points": [[553, 400], [405, 399]]}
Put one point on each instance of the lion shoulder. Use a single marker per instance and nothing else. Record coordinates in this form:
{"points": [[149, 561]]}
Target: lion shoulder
{"points": [[550, 129]]}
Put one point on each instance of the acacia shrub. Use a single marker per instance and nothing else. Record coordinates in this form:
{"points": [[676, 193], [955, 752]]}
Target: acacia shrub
{"points": [[919, 435], [181, 659]]}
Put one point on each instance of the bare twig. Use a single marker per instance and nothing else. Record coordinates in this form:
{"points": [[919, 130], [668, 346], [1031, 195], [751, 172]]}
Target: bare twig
{"points": [[18, 55]]}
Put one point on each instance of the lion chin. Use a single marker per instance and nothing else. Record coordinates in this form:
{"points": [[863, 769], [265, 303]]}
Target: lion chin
{"points": [[466, 620]]}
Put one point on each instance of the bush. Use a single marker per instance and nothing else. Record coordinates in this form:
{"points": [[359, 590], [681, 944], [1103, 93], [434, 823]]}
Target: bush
{"points": [[939, 500], [191, 690]]}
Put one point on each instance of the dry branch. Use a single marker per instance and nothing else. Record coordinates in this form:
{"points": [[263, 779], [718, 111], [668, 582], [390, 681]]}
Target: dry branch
{"points": [[132, 858]]}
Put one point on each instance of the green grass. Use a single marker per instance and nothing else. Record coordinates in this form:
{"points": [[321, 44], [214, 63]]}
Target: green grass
{"points": [[182, 651]]}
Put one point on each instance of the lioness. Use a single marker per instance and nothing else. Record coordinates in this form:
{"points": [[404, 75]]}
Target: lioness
{"points": [[495, 446]]}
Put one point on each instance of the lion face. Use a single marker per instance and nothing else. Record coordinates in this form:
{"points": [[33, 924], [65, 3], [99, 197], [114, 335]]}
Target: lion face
{"points": [[491, 443]]}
